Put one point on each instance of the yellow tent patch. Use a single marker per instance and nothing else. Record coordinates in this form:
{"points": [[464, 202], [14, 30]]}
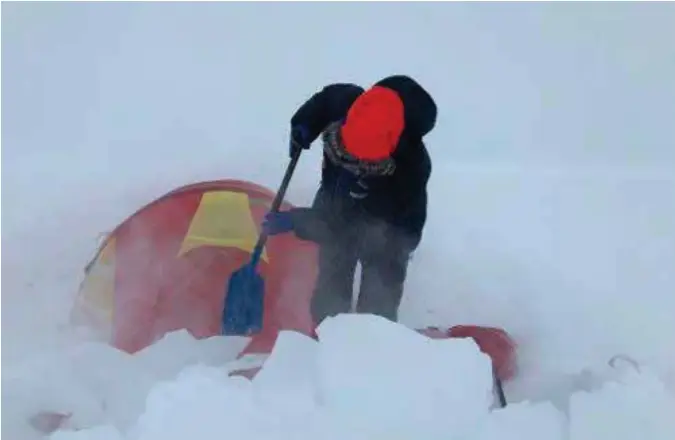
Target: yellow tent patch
{"points": [[223, 218], [96, 297]]}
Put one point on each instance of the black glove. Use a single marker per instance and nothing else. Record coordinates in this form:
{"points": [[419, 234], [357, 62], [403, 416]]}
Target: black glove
{"points": [[299, 139]]}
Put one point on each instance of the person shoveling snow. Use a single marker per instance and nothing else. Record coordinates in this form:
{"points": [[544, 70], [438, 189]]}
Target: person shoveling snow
{"points": [[371, 206]]}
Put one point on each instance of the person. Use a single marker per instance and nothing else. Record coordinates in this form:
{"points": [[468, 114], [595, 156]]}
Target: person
{"points": [[371, 204]]}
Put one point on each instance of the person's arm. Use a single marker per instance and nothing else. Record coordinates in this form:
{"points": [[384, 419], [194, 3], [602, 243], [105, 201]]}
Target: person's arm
{"points": [[412, 215], [328, 105], [309, 225]]}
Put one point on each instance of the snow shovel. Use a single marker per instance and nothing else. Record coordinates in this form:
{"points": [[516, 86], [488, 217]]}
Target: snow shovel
{"points": [[244, 297]]}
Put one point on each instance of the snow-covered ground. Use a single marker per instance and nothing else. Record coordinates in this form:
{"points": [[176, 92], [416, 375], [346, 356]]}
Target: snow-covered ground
{"points": [[552, 205]]}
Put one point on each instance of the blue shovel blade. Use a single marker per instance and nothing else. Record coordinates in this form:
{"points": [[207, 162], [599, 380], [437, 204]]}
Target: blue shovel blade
{"points": [[244, 298]]}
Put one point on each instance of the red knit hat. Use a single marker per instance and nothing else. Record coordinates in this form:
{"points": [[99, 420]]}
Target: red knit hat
{"points": [[374, 124]]}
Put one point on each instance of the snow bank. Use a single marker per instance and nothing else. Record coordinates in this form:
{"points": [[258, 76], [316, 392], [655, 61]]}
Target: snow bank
{"points": [[636, 407], [366, 378], [94, 384]]}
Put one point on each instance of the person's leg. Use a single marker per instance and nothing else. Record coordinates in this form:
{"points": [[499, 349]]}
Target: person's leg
{"points": [[335, 280], [384, 268]]}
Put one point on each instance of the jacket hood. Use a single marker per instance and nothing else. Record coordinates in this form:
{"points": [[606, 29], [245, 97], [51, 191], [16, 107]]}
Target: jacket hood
{"points": [[420, 108]]}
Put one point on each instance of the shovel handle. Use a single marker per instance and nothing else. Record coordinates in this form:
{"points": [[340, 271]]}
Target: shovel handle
{"points": [[276, 204]]}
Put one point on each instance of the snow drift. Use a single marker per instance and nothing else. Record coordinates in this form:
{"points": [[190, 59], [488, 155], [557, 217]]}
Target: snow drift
{"points": [[364, 378]]}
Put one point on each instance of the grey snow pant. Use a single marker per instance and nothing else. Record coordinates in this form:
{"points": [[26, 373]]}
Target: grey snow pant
{"points": [[384, 266]]}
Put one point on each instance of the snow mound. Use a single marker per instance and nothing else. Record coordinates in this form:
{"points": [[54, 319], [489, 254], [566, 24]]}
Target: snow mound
{"points": [[638, 406], [365, 378]]}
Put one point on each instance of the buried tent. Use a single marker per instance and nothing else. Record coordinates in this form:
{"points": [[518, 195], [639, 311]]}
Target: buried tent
{"points": [[166, 268]]}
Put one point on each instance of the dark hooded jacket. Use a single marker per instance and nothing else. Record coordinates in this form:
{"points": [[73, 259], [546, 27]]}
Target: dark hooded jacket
{"points": [[398, 201]]}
